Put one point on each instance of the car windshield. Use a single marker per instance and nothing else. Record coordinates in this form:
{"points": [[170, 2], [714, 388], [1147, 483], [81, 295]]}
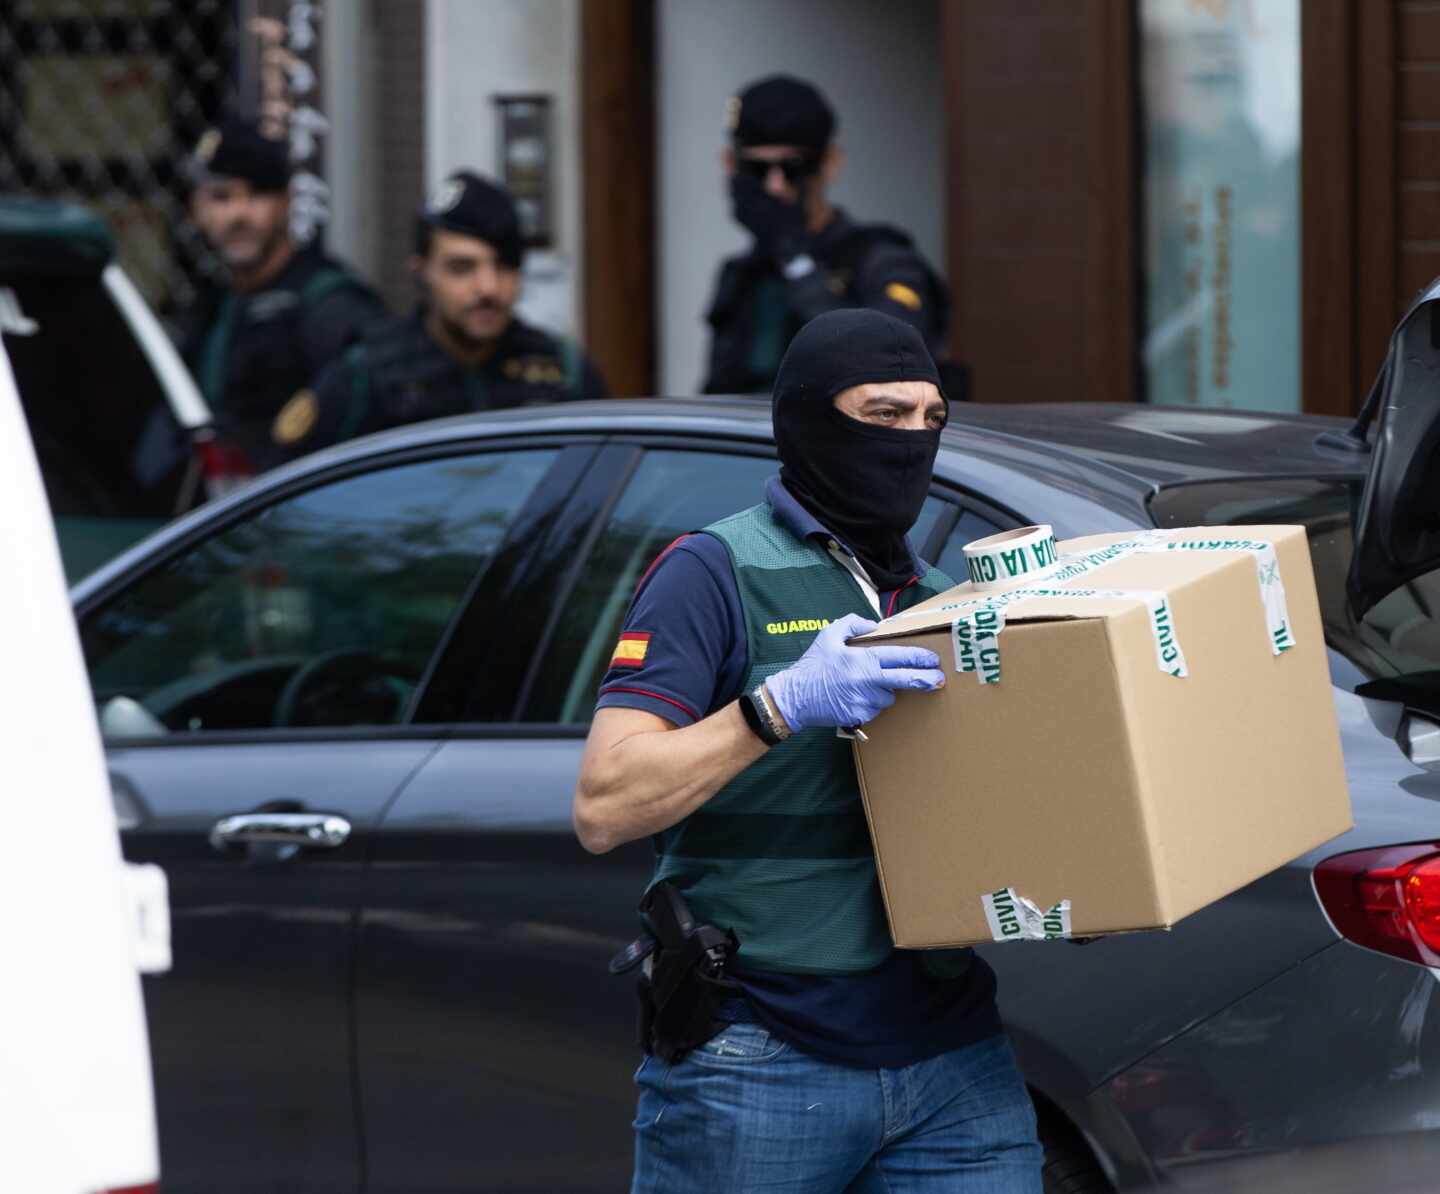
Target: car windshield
{"points": [[1397, 641]]}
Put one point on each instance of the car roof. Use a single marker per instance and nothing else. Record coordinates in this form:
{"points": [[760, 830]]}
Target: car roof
{"points": [[45, 234], [1168, 445], [1150, 446], [1086, 468]]}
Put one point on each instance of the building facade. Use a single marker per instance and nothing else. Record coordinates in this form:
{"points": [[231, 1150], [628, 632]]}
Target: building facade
{"points": [[1212, 203], [1218, 203]]}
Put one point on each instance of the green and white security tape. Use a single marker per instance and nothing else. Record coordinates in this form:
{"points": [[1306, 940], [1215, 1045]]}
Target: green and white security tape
{"points": [[1010, 555], [1012, 917], [978, 621]]}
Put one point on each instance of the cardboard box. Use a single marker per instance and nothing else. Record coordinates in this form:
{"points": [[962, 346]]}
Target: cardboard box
{"points": [[1088, 771]]}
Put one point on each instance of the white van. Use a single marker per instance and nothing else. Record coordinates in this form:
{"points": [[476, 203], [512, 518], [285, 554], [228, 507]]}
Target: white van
{"points": [[76, 924]]}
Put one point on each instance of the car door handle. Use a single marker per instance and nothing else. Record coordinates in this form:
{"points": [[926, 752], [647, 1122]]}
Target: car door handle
{"points": [[313, 831]]}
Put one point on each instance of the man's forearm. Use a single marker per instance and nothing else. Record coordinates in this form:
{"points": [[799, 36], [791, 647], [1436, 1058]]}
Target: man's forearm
{"points": [[641, 783]]}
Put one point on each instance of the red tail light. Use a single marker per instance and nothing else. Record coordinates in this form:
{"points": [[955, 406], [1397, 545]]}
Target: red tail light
{"points": [[1386, 899], [147, 1188]]}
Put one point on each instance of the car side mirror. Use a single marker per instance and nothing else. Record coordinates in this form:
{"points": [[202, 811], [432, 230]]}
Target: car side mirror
{"points": [[1419, 738], [1397, 532], [125, 717]]}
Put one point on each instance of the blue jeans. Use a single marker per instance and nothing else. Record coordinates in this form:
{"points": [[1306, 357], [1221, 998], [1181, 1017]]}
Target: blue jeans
{"points": [[746, 1112]]}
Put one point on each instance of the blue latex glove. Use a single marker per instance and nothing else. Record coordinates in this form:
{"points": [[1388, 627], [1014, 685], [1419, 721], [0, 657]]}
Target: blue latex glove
{"points": [[836, 685]]}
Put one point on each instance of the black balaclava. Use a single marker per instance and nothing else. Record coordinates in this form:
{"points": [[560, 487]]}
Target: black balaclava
{"points": [[866, 483]]}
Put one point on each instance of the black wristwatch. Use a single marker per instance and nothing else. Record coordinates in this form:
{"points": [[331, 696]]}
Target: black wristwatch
{"points": [[763, 721]]}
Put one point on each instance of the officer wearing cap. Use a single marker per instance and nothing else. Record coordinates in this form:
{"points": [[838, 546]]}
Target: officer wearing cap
{"points": [[463, 348], [257, 343], [821, 1058], [808, 256]]}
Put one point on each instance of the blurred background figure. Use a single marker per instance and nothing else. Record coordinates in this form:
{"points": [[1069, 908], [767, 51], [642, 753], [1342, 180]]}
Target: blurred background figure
{"points": [[808, 256], [256, 344], [462, 349]]}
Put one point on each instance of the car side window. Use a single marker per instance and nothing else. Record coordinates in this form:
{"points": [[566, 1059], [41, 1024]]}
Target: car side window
{"points": [[969, 527], [322, 609], [670, 493]]}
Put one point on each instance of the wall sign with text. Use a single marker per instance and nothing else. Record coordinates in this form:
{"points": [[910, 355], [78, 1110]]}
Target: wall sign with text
{"points": [[1220, 98]]}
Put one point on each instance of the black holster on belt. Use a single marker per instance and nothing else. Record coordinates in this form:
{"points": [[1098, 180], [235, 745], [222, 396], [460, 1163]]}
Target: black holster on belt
{"points": [[682, 977]]}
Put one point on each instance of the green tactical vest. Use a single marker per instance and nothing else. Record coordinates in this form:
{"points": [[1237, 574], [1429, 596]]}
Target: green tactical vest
{"points": [[782, 853]]}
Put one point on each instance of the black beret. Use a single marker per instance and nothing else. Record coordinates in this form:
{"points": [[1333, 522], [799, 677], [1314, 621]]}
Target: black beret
{"points": [[473, 206], [781, 110], [237, 149], [852, 347]]}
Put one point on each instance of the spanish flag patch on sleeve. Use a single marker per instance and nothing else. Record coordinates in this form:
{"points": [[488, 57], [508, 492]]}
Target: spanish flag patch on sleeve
{"points": [[630, 650]]}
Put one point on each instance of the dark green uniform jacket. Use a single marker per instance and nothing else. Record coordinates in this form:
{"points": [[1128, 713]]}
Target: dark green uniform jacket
{"points": [[756, 310], [252, 353], [781, 854], [398, 374]]}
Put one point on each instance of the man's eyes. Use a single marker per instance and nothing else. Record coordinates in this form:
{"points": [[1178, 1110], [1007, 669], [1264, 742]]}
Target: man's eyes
{"points": [[890, 414]]}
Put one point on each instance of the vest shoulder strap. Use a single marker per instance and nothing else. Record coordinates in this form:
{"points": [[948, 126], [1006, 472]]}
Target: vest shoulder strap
{"points": [[572, 365], [357, 365], [326, 281], [754, 537]]}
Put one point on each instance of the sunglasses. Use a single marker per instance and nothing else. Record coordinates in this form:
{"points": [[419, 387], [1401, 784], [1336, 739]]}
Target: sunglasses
{"points": [[795, 169]]}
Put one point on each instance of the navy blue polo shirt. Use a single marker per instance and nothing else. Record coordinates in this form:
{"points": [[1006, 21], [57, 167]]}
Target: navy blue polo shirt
{"points": [[695, 656]]}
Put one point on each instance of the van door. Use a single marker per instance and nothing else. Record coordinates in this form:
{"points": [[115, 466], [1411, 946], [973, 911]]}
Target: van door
{"points": [[111, 454]]}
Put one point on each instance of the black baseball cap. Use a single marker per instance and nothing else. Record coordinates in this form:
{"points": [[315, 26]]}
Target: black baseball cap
{"points": [[237, 149], [472, 206], [780, 110]]}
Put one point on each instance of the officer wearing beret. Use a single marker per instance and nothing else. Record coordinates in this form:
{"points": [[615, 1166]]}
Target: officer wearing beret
{"points": [[819, 1058], [463, 348], [808, 255], [257, 343]]}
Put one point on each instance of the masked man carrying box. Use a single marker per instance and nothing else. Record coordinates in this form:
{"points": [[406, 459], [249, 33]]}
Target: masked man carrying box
{"points": [[816, 1053]]}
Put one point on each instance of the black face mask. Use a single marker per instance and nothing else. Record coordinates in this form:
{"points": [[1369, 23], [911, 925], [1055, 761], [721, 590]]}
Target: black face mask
{"points": [[866, 483]]}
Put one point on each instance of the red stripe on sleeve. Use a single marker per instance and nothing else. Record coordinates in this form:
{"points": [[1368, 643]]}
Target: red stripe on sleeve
{"points": [[654, 696], [655, 563]]}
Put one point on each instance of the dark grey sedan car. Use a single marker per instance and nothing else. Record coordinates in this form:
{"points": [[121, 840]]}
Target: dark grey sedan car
{"points": [[345, 709]]}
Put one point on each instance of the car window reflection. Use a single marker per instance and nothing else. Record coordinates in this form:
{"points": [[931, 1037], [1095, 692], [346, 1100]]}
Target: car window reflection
{"points": [[322, 610]]}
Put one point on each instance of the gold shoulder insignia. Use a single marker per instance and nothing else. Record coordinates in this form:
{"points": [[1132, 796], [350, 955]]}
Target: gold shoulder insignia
{"points": [[297, 418], [904, 295], [445, 196], [208, 144]]}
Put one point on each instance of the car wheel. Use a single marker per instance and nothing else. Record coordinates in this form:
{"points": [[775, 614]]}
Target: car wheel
{"points": [[1070, 1167]]}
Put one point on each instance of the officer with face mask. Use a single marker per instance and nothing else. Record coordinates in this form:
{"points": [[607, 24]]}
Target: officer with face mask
{"points": [[817, 1055], [462, 349], [807, 255], [285, 311]]}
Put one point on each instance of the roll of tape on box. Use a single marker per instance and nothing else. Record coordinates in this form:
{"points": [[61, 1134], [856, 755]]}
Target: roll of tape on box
{"points": [[1010, 556]]}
